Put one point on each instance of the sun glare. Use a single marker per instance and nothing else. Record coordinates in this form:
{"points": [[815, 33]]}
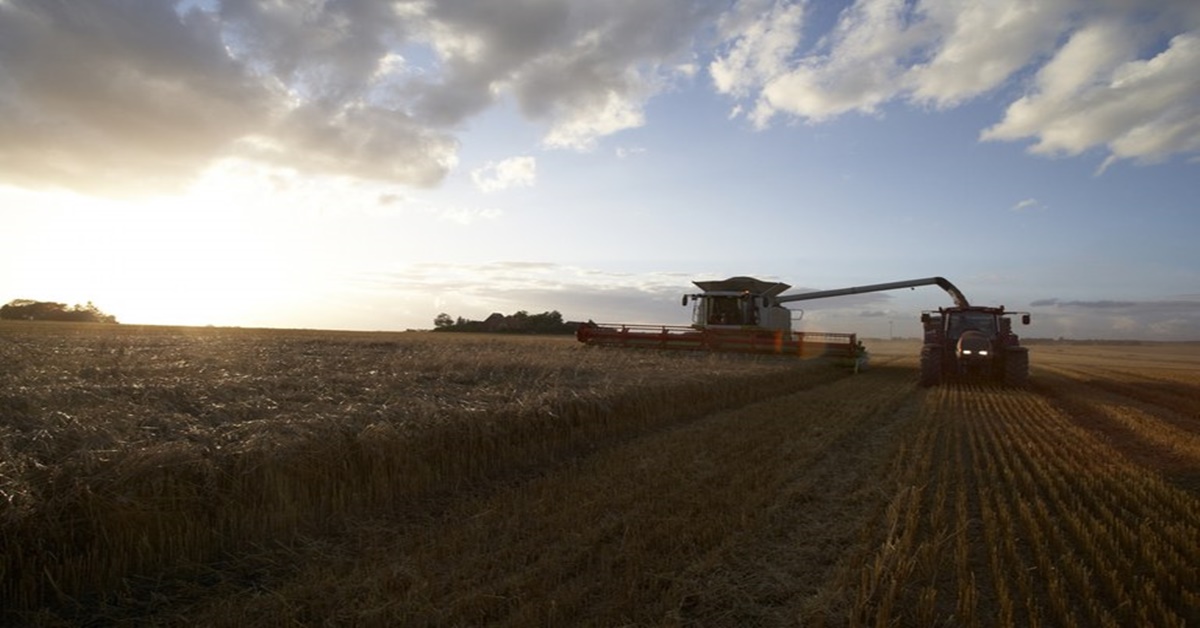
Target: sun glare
{"points": [[199, 259]]}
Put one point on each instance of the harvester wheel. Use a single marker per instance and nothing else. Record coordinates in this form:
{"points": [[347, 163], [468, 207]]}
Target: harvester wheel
{"points": [[931, 365], [1016, 366]]}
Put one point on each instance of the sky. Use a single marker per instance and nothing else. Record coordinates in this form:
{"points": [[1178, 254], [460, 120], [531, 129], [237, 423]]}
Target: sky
{"points": [[367, 165]]}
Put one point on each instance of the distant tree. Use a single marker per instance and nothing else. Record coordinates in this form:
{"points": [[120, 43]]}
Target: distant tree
{"points": [[30, 310], [520, 322]]}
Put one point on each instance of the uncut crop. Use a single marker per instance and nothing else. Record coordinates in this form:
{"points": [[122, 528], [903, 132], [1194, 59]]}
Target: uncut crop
{"points": [[127, 450]]}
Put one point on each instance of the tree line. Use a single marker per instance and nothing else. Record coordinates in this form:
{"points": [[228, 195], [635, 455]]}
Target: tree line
{"points": [[520, 322], [30, 310]]}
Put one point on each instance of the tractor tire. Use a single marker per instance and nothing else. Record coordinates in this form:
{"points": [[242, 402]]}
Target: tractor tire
{"points": [[931, 365], [1016, 367]]}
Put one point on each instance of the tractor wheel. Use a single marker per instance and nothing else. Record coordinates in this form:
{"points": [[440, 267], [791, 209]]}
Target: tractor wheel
{"points": [[931, 365], [1016, 366]]}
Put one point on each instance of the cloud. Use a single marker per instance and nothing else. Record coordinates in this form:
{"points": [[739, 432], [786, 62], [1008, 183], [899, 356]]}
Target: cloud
{"points": [[509, 173], [1095, 92], [878, 51], [1165, 319], [763, 38], [92, 94], [1103, 304], [133, 96], [1029, 203], [1099, 85], [1166, 305]]}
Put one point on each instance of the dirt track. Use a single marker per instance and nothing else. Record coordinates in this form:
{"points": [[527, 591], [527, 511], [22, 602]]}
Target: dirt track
{"points": [[862, 500]]}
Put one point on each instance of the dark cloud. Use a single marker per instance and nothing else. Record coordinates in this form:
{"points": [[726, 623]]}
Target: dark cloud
{"points": [[97, 95], [1167, 319], [128, 96], [1104, 304], [1183, 305]]}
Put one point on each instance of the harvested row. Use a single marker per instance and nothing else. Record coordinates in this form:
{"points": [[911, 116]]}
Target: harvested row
{"points": [[1168, 392], [1017, 513], [1155, 424]]}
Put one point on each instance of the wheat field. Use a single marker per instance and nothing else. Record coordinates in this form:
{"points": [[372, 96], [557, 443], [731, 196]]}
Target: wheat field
{"points": [[228, 477]]}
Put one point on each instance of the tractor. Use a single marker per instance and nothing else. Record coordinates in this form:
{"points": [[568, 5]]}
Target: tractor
{"points": [[973, 343]]}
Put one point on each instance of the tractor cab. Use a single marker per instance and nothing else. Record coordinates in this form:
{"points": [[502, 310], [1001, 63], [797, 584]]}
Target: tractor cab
{"points": [[981, 321], [948, 325]]}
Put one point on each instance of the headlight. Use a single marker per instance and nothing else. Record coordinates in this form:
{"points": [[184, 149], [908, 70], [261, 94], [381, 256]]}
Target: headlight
{"points": [[983, 352], [966, 352]]}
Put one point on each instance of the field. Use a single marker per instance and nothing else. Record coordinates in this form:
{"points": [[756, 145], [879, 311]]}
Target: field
{"points": [[228, 477]]}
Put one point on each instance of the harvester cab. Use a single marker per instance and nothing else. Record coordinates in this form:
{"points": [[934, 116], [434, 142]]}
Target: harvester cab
{"points": [[739, 303]]}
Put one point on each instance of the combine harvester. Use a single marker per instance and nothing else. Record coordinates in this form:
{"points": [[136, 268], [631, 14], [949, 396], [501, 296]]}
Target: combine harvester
{"points": [[746, 315]]}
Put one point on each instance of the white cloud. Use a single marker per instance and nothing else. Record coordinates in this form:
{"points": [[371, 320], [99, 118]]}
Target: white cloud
{"points": [[763, 39], [580, 127], [1095, 93], [1024, 204], [938, 51], [1100, 88], [859, 67], [509, 173], [980, 45]]}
